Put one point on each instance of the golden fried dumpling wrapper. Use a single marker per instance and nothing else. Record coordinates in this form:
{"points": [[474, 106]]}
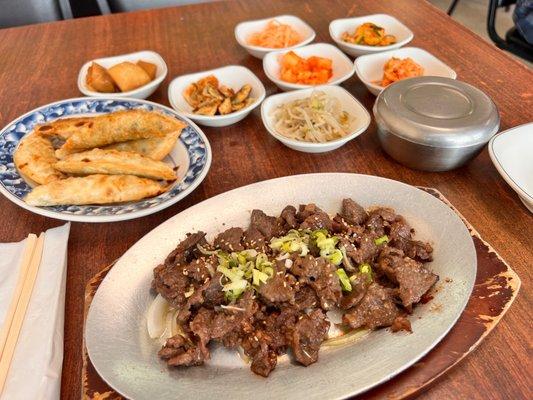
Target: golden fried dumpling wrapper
{"points": [[93, 189], [155, 148], [117, 127], [149, 68], [35, 159], [128, 76], [114, 162], [99, 80], [62, 128]]}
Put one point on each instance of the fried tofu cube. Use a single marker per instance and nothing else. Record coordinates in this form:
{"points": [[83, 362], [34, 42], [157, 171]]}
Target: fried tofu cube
{"points": [[128, 76], [149, 68], [99, 80]]}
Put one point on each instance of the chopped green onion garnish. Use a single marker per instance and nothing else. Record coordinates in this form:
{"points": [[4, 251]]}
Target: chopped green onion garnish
{"points": [[366, 269], [292, 242], [381, 240], [344, 280], [259, 277]]}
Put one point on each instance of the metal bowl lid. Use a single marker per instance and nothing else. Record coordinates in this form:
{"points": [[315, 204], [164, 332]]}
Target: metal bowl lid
{"points": [[437, 112]]}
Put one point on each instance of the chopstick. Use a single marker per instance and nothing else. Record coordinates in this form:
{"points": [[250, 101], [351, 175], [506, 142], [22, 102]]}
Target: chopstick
{"points": [[29, 268]]}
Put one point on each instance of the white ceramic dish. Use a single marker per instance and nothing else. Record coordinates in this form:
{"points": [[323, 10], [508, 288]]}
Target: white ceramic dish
{"points": [[343, 67], [140, 93], [369, 68], [126, 358], [245, 29], [348, 102], [234, 76], [391, 25], [511, 152]]}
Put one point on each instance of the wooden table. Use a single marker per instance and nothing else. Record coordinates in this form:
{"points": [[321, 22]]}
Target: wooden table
{"points": [[39, 64]]}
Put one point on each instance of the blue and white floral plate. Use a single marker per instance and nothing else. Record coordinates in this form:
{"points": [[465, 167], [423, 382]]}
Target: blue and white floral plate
{"points": [[191, 153]]}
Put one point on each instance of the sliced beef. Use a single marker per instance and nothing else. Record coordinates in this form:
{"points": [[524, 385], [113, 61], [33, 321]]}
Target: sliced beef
{"points": [[256, 346], [289, 217], [389, 260], [288, 310], [353, 213], [414, 280], [194, 299], [401, 323], [313, 218], [400, 231], [201, 327], [418, 250], [184, 249], [309, 333], [376, 309], [360, 285], [412, 277], [380, 219], [230, 240], [267, 225], [170, 283], [279, 326], [366, 250], [305, 298], [213, 295], [179, 351], [320, 275], [279, 288], [253, 239], [198, 270]]}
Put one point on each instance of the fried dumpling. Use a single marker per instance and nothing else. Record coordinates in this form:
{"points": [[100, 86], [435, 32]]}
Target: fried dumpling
{"points": [[94, 189], [114, 162], [63, 128], [35, 159], [154, 148], [116, 127]]}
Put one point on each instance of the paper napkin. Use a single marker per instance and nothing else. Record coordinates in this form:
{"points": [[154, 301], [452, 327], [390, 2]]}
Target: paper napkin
{"points": [[35, 371]]}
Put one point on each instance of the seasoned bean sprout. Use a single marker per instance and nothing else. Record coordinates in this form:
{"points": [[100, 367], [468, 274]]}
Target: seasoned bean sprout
{"points": [[318, 118]]}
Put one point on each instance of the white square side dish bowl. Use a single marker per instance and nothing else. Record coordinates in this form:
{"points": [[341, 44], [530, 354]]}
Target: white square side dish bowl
{"points": [[391, 25], [233, 76], [343, 67], [369, 68], [140, 93], [348, 103], [245, 29], [511, 153]]}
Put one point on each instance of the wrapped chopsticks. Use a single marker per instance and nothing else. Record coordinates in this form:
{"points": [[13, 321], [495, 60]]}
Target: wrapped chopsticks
{"points": [[32, 295], [19, 303]]}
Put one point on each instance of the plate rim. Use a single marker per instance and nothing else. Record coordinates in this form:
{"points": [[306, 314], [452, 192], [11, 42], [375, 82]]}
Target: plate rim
{"points": [[117, 217], [369, 386], [500, 165]]}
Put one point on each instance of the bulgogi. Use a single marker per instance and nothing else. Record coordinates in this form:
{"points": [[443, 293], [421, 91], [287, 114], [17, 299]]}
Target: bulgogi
{"points": [[268, 288]]}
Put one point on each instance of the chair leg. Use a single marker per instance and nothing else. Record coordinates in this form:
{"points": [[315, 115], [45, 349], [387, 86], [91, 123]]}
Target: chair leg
{"points": [[66, 9], [491, 25], [452, 7], [103, 5]]}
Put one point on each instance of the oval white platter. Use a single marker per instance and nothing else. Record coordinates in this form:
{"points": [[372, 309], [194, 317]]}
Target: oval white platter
{"points": [[122, 353]]}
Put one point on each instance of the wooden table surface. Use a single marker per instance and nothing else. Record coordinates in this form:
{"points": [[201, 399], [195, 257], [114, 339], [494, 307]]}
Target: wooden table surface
{"points": [[39, 64]]}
